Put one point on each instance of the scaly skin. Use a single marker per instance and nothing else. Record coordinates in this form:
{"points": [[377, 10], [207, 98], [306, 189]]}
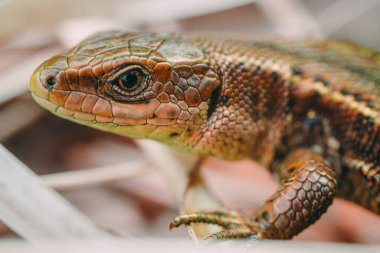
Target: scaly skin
{"points": [[308, 110]]}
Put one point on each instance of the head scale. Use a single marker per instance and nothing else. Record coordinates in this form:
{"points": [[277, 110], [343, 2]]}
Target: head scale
{"points": [[155, 86]]}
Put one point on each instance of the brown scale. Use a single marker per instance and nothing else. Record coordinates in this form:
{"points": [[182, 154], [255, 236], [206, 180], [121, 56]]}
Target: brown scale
{"points": [[307, 110]]}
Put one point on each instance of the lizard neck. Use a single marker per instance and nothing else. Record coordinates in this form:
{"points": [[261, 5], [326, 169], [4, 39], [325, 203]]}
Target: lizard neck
{"points": [[248, 114]]}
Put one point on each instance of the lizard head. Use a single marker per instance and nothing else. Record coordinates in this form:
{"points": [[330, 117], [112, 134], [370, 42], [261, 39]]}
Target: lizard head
{"points": [[156, 86]]}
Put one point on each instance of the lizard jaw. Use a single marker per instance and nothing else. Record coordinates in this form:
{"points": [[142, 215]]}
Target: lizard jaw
{"points": [[49, 100]]}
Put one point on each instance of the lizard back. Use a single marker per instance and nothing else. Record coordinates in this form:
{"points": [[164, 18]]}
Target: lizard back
{"points": [[333, 104]]}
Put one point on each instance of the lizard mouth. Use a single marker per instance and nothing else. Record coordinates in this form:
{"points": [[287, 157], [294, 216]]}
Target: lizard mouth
{"points": [[128, 128], [66, 112], [87, 109]]}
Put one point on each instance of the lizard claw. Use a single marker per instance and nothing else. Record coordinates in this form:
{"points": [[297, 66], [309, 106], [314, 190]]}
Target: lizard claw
{"points": [[240, 233], [235, 224]]}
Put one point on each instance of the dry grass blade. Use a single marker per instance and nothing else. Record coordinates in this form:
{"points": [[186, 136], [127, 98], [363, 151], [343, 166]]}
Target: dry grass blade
{"points": [[15, 81], [341, 13], [16, 116], [96, 176], [290, 18], [34, 211]]}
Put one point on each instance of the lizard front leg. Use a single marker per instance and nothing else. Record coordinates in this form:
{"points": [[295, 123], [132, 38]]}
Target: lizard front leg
{"points": [[308, 187]]}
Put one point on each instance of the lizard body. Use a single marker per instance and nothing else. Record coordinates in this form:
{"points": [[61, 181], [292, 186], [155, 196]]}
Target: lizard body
{"points": [[308, 110]]}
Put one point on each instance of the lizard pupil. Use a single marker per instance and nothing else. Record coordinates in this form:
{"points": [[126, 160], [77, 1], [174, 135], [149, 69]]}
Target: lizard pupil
{"points": [[51, 81], [131, 80]]}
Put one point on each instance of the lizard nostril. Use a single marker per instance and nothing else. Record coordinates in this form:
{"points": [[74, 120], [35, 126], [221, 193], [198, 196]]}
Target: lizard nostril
{"points": [[48, 77], [51, 81]]}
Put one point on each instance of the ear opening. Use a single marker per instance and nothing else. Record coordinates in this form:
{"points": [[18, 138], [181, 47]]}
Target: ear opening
{"points": [[214, 98]]}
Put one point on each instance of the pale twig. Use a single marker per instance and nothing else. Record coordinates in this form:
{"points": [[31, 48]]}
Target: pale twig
{"points": [[15, 81], [17, 115], [175, 173], [166, 10], [32, 13], [34, 211], [172, 169], [342, 12], [95, 176], [290, 18], [170, 245]]}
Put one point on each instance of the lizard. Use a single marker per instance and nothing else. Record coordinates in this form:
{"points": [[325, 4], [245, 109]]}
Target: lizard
{"points": [[305, 109]]}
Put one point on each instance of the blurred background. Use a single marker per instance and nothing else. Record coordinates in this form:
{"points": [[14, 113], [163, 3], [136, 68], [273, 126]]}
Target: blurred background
{"points": [[123, 188]]}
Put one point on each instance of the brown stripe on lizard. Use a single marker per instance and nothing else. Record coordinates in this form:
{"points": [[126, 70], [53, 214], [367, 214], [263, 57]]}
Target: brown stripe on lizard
{"points": [[308, 110]]}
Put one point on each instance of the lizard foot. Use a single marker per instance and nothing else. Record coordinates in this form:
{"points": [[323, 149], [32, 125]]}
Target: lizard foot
{"points": [[308, 188], [236, 225]]}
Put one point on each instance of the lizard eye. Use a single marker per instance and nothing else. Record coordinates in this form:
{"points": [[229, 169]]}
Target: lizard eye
{"points": [[128, 82], [131, 80]]}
